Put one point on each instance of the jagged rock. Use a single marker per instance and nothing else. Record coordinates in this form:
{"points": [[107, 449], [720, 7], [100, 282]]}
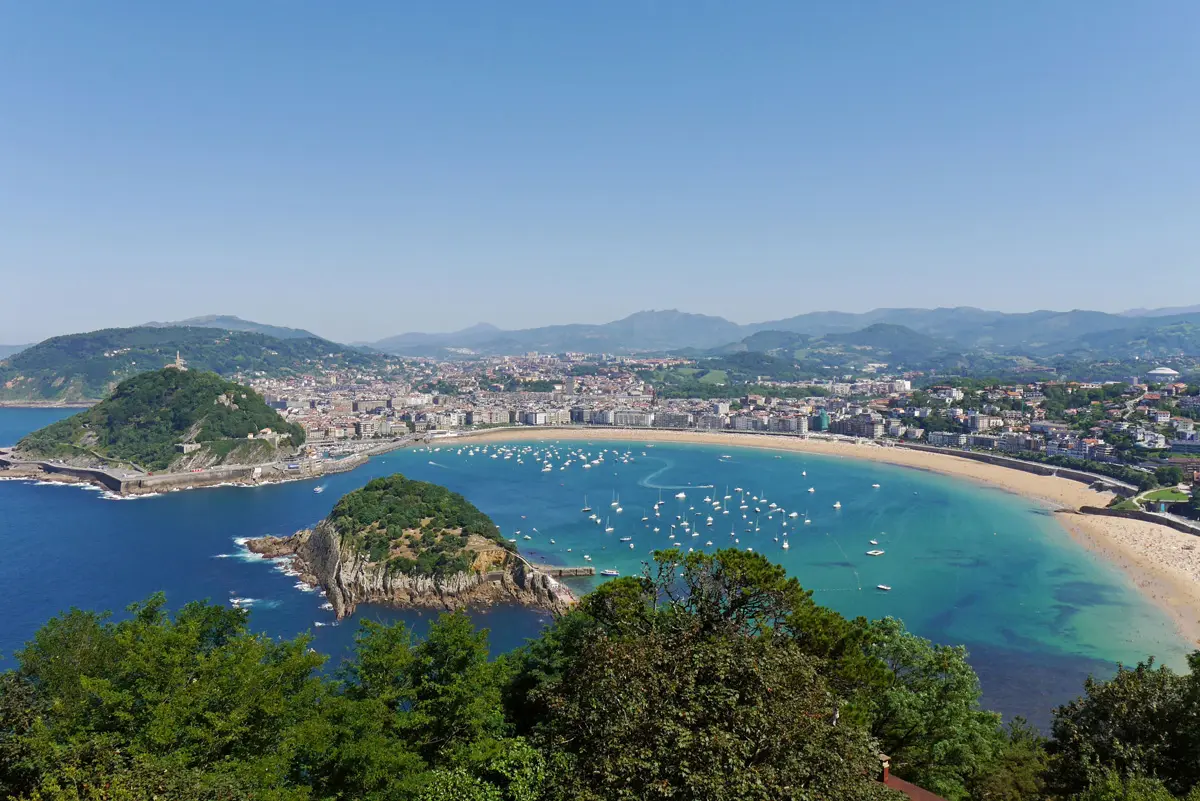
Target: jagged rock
{"points": [[349, 578]]}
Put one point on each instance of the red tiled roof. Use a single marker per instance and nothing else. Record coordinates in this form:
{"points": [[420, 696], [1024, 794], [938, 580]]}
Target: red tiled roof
{"points": [[911, 790]]}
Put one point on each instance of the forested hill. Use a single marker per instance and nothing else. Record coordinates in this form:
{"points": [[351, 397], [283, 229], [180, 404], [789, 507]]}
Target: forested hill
{"points": [[86, 366], [149, 414], [418, 527]]}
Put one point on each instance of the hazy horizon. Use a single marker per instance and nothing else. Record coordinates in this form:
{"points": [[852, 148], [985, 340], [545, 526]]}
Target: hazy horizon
{"points": [[287, 323], [382, 169]]}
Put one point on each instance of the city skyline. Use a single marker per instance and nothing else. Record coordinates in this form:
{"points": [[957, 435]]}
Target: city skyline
{"points": [[394, 169]]}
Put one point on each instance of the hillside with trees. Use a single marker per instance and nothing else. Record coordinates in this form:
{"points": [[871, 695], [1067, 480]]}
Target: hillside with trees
{"points": [[80, 367], [417, 527], [711, 677], [148, 415]]}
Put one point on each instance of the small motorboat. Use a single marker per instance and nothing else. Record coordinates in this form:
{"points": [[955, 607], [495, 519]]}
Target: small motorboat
{"points": [[883, 587], [609, 573]]}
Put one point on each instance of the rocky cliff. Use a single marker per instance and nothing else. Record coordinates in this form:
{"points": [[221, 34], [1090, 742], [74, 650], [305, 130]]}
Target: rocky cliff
{"points": [[349, 578]]}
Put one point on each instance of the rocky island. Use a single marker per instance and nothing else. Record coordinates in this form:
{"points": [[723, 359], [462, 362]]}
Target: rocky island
{"points": [[412, 543], [166, 429]]}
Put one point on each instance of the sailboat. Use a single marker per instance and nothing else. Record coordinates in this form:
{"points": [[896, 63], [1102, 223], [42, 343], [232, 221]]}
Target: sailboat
{"points": [[607, 528], [585, 508]]}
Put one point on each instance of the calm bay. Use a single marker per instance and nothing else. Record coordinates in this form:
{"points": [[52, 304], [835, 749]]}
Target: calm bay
{"points": [[966, 564]]}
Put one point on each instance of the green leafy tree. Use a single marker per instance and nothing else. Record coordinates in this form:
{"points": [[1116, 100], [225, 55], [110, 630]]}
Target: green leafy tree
{"points": [[193, 699], [1168, 476], [692, 686], [453, 698], [928, 718], [458, 785], [1141, 723], [1016, 774], [1112, 787]]}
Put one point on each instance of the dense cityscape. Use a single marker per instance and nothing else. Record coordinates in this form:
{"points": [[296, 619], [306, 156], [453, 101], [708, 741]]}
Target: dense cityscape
{"points": [[1149, 419]]}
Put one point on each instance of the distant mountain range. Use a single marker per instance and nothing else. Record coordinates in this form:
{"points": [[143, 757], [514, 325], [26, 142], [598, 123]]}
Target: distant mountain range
{"points": [[918, 333], [960, 340], [1165, 312], [228, 322], [643, 331]]}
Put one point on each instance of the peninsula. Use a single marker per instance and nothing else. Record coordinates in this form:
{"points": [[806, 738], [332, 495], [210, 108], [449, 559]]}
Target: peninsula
{"points": [[412, 543], [163, 429]]}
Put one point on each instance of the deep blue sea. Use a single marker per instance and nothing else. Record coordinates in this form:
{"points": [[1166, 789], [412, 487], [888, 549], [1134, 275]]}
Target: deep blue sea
{"points": [[966, 564]]}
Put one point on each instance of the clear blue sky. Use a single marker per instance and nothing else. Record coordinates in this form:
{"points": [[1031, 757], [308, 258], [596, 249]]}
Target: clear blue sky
{"points": [[367, 168]]}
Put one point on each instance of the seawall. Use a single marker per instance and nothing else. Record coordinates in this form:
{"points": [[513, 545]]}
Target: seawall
{"points": [[1146, 517]]}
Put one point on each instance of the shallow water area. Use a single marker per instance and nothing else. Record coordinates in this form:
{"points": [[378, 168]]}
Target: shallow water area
{"points": [[964, 563]]}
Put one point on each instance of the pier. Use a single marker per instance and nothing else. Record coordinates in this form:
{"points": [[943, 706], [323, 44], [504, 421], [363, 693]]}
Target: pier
{"points": [[567, 572]]}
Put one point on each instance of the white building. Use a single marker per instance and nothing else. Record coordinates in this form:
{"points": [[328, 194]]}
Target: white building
{"points": [[630, 418]]}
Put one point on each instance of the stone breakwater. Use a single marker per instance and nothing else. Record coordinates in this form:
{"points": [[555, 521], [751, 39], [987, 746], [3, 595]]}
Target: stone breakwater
{"points": [[348, 578]]}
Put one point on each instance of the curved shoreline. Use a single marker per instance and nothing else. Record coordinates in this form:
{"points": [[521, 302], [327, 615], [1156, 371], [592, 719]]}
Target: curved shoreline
{"points": [[1162, 563]]}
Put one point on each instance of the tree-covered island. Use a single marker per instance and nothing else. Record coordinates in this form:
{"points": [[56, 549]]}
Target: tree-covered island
{"points": [[412, 543]]}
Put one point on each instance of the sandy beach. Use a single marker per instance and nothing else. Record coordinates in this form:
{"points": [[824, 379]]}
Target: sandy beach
{"points": [[1163, 563]]}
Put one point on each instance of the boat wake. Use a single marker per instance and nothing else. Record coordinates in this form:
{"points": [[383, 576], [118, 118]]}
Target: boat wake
{"points": [[648, 481], [256, 603]]}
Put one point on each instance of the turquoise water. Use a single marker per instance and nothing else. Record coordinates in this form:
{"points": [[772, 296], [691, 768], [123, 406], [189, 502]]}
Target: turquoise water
{"points": [[966, 564]]}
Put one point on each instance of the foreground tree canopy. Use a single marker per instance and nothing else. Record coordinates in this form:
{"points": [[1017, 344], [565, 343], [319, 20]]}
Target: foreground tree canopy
{"points": [[710, 677]]}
